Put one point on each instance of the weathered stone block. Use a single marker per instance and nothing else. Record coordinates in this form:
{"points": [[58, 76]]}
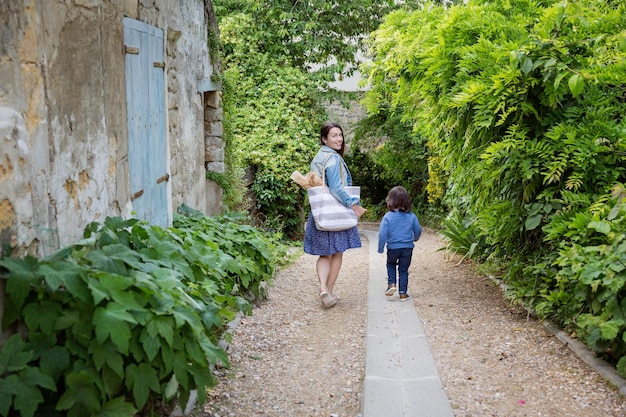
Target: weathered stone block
{"points": [[213, 128], [213, 115], [218, 167], [213, 99], [213, 151]]}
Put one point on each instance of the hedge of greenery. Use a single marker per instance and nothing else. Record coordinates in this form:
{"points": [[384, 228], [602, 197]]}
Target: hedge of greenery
{"points": [[278, 59], [385, 153], [522, 106], [274, 121], [129, 319]]}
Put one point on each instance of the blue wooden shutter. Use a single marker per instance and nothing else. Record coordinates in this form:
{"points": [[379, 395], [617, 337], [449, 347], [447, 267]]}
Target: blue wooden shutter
{"points": [[145, 102]]}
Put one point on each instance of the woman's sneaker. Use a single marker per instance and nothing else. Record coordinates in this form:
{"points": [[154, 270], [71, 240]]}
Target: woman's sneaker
{"points": [[404, 297], [391, 290]]}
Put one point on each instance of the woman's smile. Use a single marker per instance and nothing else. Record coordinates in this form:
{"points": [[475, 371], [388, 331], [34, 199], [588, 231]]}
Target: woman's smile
{"points": [[334, 139]]}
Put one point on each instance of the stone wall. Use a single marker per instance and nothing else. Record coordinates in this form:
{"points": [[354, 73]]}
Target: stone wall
{"points": [[347, 117], [63, 128]]}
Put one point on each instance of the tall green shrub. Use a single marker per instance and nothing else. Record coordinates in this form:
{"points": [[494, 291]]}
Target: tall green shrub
{"points": [[280, 57], [522, 104], [274, 121]]}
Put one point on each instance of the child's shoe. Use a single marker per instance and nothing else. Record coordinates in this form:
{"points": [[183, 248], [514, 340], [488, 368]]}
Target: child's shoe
{"points": [[391, 289], [404, 297]]}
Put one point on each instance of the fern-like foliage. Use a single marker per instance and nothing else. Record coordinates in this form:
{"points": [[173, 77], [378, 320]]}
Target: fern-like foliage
{"points": [[522, 107]]}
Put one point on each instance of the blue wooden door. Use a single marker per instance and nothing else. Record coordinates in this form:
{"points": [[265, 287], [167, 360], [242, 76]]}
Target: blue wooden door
{"points": [[145, 102]]}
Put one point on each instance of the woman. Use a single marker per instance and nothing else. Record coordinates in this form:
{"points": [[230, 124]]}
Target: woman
{"points": [[329, 246]]}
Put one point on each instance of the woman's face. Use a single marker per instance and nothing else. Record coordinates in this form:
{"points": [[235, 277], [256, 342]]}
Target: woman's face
{"points": [[334, 139]]}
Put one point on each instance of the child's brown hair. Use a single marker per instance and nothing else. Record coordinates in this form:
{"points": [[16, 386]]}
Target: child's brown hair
{"points": [[398, 199]]}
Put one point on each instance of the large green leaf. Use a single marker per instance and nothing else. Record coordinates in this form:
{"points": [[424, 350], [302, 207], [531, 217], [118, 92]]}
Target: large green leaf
{"points": [[107, 285], [603, 227], [212, 316], [141, 379], [194, 349], [103, 262], [532, 222], [112, 384], [167, 357], [113, 321], [124, 254], [203, 378], [68, 319], [214, 354], [162, 326], [151, 344], [53, 276], [55, 361], [22, 274], [611, 328], [576, 84], [181, 366], [27, 398], [117, 407], [81, 391], [107, 353], [34, 377], [9, 387], [42, 316], [171, 388], [591, 272], [185, 316], [12, 356], [77, 285]]}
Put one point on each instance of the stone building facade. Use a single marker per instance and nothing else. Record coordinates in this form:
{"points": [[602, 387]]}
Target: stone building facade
{"points": [[69, 153]]}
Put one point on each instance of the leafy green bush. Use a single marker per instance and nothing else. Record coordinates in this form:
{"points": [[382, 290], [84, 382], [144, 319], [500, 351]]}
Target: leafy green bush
{"points": [[459, 237], [279, 58], [274, 118], [318, 35], [587, 293], [386, 153], [522, 106], [520, 103], [128, 318], [368, 175]]}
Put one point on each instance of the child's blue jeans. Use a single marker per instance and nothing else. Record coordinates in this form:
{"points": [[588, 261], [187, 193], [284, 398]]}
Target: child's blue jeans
{"points": [[398, 262]]}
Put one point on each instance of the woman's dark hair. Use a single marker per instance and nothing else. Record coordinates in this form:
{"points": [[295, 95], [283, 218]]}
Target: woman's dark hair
{"points": [[398, 199], [324, 134]]}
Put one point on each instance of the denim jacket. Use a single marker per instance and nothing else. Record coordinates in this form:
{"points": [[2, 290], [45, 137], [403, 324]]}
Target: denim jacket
{"points": [[334, 163]]}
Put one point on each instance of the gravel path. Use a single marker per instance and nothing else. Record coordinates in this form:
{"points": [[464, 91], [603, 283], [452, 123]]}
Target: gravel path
{"points": [[292, 358]]}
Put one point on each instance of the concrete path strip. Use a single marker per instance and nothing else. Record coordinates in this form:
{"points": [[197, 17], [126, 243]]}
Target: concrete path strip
{"points": [[401, 378]]}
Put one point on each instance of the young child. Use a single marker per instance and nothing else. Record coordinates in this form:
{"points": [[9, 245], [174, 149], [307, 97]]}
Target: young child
{"points": [[398, 230]]}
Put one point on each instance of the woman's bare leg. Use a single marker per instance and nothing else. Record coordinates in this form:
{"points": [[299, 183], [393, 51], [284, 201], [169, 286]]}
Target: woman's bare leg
{"points": [[335, 266], [323, 270], [328, 268]]}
